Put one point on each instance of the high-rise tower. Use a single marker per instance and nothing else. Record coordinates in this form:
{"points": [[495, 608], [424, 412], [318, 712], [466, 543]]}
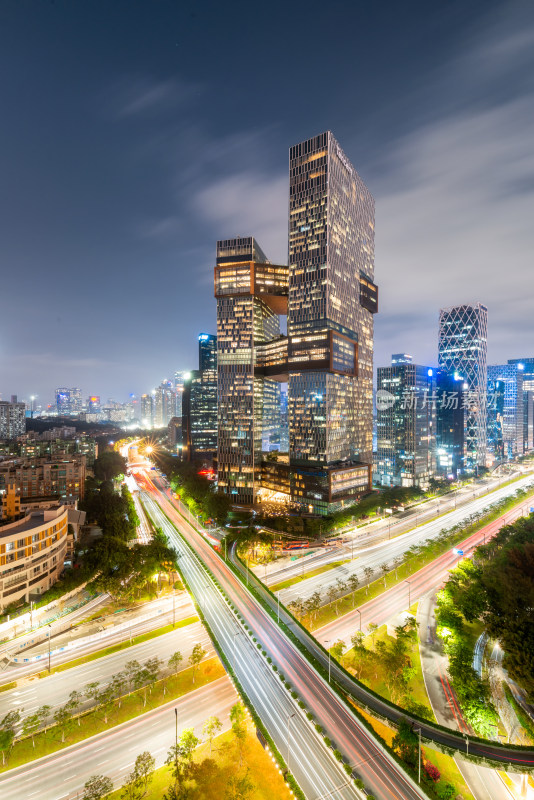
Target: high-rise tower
{"points": [[329, 295], [462, 350], [251, 294], [332, 299]]}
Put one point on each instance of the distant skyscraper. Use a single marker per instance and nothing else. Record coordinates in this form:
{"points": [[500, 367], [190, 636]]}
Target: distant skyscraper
{"points": [[406, 424], [163, 404], [179, 380], [526, 365], [68, 401], [207, 351], [462, 350], [199, 405], [146, 410]]}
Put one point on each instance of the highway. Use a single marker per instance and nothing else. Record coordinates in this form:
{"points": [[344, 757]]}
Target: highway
{"points": [[387, 551], [382, 530], [313, 766], [517, 760], [113, 753], [160, 613], [428, 579], [54, 689]]}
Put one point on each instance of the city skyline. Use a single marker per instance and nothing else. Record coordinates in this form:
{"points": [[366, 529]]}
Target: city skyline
{"points": [[134, 207]]}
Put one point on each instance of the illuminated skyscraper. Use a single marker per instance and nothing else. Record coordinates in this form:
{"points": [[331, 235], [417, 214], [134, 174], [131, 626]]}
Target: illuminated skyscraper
{"points": [[199, 405], [505, 411], [326, 358], [251, 293], [406, 424], [332, 299], [462, 350]]}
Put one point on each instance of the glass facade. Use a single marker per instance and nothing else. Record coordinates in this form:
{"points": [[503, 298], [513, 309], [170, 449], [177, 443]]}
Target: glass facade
{"points": [[332, 298], [247, 319], [450, 426], [462, 351], [406, 425], [505, 411], [326, 359]]}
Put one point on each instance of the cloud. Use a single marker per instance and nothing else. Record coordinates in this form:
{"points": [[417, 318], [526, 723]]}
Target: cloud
{"points": [[249, 203], [142, 96], [454, 213]]}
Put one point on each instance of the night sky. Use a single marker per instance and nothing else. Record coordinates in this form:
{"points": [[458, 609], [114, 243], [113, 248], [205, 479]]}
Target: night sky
{"points": [[134, 134]]}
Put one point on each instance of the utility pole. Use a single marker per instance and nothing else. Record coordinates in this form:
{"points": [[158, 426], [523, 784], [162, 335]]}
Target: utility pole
{"points": [[419, 732]]}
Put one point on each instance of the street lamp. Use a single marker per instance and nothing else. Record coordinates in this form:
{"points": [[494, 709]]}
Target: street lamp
{"points": [[409, 595], [288, 719], [49, 651], [278, 605], [466, 737], [360, 613], [176, 739], [418, 730]]}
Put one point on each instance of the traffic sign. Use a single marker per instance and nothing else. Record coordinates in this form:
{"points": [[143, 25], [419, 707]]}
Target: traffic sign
{"points": [[458, 552]]}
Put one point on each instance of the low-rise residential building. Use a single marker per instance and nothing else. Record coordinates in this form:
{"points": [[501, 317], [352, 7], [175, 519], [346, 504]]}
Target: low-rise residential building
{"points": [[43, 477], [32, 552]]}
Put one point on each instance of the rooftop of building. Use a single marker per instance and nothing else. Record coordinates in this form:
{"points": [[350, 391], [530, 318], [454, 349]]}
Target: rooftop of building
{"points": [[34, 519]]}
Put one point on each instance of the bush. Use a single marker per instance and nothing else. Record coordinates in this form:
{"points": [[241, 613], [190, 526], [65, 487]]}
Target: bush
{"points": [[318, 728], [359, 783], [338, 756], [294, 694], [327, 741], [347, 768]]}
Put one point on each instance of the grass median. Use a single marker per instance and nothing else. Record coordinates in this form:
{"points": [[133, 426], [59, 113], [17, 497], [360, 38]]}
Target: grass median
{"points": [[121, 710], [213, 771], [115, 648], [311, 574]]}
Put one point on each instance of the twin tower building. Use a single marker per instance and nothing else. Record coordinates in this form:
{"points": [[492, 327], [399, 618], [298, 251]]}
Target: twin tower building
{"points": [[326, 357]]}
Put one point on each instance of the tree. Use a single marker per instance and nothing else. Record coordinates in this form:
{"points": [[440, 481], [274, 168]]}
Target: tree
{"points": [[237, 718], [239, 788], [74, 702], [141, 776], [131, 668], [118, 682], [385, 569], [372, 629], [338, 649], [197, 654], [180, 757], [105, 700], [332, 595], [211, 728], [368, 572], [8, 731], [109, 465], [406, 743], [97, 787], [62, 718], [32, 723], [353, 582], [92, 691], [174, 662]]}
